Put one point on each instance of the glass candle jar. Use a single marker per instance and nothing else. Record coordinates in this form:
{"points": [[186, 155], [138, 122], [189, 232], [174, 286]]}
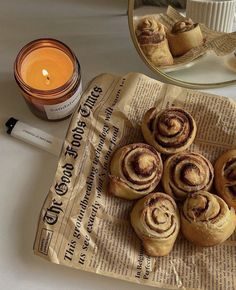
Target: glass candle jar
{"points": [[48, 74]]}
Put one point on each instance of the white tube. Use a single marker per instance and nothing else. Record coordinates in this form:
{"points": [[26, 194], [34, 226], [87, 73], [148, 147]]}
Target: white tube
{"points": [[34, 136]]}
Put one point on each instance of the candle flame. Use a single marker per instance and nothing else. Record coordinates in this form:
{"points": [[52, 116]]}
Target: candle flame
{"points": [[45, 72]]}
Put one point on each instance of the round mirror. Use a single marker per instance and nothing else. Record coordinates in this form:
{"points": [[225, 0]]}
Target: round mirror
{"points": [[180, 50]]}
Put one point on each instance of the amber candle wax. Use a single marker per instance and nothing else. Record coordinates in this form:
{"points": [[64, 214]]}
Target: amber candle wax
{"points": [[48, 74]]}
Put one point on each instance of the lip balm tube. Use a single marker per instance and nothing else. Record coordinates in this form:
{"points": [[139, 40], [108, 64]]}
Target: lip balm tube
{"points": [[34, 136]]}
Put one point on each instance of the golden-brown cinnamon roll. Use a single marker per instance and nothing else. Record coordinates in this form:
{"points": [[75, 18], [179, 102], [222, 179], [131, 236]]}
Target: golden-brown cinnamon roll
{"points": [[170, 130], [185, 173], [155, 219], [225, 177], [135, 171], [184, 36], [206, 219], [152, 40]]}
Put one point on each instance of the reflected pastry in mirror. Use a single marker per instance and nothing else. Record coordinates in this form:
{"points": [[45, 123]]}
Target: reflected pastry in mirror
{"points": [[152, 39], [155, 219], [206, 219], [184, 36], [170, 130], [225, 177], [135, 171], [186, 173]]}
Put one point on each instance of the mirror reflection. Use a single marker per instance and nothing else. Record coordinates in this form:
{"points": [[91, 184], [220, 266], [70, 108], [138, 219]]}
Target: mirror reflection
{"points": [[194, 43]]}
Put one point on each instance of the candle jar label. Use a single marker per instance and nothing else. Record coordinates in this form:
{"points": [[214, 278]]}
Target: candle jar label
{"points": [[63, 109]]}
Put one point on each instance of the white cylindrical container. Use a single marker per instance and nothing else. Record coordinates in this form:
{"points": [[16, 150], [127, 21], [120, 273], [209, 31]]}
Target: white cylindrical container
{"points": [[217, 15]]}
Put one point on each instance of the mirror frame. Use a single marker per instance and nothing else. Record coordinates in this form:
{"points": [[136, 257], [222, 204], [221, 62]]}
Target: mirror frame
{"points": [[157, 71]]}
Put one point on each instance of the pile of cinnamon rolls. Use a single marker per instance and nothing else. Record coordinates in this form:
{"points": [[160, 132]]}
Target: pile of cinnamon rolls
{"points": [[160, 45], [187, 181]]}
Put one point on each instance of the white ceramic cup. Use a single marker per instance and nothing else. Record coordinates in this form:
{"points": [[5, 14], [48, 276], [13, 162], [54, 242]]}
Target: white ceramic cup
{"points": [[215, 14]]}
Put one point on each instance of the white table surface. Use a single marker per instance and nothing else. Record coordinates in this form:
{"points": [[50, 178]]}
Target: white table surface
{"points": [[98, 33]]}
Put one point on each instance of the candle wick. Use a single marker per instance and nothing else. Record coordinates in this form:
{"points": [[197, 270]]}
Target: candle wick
{"points": [[46, 74], [47, 80]]}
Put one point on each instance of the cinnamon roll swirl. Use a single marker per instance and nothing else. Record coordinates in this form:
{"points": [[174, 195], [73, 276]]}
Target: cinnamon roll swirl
{"points": [[170, 130], [225, 177], [183, 26], [152, 39], [184, 36], [155, 219], [135, 171], [206, 219], [185, 173]]}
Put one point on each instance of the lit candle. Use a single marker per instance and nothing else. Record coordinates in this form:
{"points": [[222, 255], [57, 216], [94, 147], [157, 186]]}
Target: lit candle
{"points": [[46, 80], [46, 68], [48, 74]]}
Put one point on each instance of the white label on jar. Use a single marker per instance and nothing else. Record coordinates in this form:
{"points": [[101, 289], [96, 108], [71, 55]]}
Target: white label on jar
{"points": [[63, 109]]}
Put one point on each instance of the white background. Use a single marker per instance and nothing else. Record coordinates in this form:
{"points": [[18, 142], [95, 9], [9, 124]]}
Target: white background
{"points": [[98, 33]]}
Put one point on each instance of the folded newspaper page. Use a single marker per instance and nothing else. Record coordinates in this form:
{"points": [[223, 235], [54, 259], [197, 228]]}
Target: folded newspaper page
{"points": [[83, 227], [219, 42]]}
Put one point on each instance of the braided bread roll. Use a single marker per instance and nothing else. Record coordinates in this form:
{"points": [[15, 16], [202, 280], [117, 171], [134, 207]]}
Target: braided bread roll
{"points": [[185, 173], [152, 40], [155, 219], [225, 177], [206, 219], [135, 171], [170, 130], [184, 36]]}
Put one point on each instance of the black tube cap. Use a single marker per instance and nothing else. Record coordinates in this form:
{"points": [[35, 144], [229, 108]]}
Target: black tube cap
{"points": [[10, 124]]}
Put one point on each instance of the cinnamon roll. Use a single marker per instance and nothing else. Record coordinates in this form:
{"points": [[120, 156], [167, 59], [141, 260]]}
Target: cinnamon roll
{"points": [[206, 219], [225, 177], [152, 40], [169, 131], [135, 171], [184, 36], [155, 219], [185, 173]]}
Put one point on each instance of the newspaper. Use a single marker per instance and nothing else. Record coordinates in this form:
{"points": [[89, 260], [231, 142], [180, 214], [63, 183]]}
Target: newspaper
{"points": [[219, 42], [83, 227]]}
